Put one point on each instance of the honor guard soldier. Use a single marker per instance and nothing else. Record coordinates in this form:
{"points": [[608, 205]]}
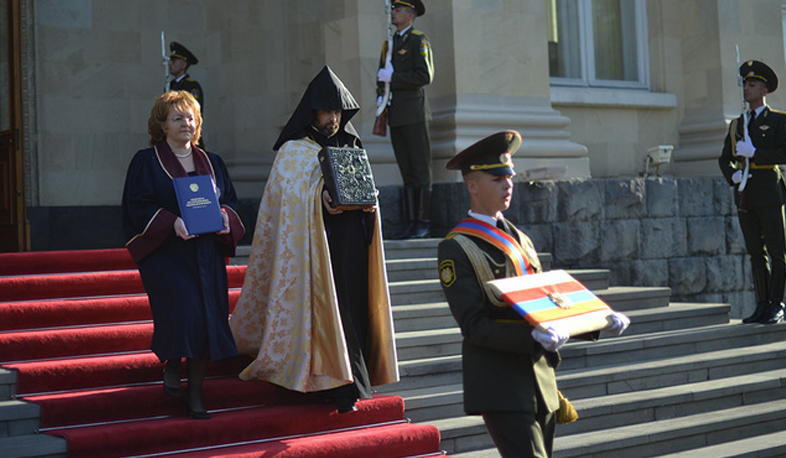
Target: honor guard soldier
{"points": [[508, 366], [180, 60], [410, 70], [760, 201]]}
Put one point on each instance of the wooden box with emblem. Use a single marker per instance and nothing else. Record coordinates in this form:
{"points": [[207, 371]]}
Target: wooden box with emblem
{"points": [[554, 298], [348, 177]]}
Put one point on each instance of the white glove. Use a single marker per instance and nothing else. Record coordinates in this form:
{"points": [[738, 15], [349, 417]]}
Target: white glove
{"points": [[619, 324], [737, 177], [384, 75], [552, 340], [746, 149], [379, 100]]}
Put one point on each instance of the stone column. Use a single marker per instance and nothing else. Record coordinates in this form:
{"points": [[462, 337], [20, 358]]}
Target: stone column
{"points": [[492, 74]]}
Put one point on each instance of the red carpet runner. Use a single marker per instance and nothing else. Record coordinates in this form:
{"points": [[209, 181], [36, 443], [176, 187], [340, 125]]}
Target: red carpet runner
{"points": [[76, 328]]}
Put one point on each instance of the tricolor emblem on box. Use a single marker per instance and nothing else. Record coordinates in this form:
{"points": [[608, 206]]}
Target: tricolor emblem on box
{"points": [[554, 298]]}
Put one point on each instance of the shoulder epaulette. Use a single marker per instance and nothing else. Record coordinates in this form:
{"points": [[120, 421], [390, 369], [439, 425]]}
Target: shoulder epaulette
{"points": [[417, 32]]}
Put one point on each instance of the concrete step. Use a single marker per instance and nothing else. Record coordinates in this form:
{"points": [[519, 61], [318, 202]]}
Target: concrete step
{"points": [[660, 437], [613, 411], [426, 341], [604, 380], [425, 372], [18, 418], [433, 403], [763, 446], [413, 248], [633, 394], [621, 298], [416, 317], [7, 384], [671, 437], [627, 298], [465, 435], [625, 354], [677, 315], [33, 446], [632, 349], [411, 269]]}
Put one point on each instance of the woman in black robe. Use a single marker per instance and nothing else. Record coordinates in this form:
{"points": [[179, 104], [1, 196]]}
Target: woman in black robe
{"points": [[184, 274]]}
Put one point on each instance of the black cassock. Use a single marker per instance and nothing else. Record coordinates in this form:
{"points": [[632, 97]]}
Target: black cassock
{"points": [[185, 280]]}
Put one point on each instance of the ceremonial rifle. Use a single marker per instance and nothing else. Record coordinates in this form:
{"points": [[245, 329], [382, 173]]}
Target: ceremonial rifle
{"points": [[165, 60], [380, 124], [745, 136]]}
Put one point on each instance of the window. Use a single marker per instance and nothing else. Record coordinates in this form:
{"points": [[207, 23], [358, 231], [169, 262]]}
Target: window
{"points": [[598, 43]]}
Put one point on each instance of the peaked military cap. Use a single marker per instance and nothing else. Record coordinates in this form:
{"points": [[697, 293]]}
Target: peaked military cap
{"points": [[179, 51], [761, 71], [491, 155], [416, 5]]}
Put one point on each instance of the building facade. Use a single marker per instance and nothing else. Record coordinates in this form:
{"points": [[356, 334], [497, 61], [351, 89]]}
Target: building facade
{"points": [[592, 85]]}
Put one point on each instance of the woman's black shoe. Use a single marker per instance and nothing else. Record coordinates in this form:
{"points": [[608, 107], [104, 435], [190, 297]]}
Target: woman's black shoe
{"points": [[172, 392], [172, 379], [203, 415]]}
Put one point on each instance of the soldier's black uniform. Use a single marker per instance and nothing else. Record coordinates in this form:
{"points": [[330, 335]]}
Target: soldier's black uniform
{"points": [[761, 203]]}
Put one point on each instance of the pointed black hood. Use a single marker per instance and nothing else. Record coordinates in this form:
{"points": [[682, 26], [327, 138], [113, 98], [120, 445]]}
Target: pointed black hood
{"points": [[324, 92]]}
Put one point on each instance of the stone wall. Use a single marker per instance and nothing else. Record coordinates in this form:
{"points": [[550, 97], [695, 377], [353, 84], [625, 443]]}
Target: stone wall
{"points": [[677, 232]]}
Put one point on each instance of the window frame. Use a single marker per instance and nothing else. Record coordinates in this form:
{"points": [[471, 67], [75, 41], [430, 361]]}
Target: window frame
{"points": [[587, 51]]}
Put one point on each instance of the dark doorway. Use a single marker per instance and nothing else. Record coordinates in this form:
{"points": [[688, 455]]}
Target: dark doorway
{"points": [[13, 221]]}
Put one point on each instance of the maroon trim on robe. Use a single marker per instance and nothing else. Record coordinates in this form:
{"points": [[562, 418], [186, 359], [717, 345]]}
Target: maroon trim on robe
{"points": [[157, 230], [163, 222], [236, 232], [170, 163]]}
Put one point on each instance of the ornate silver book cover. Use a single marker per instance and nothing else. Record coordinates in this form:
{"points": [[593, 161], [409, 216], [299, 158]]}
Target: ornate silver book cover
{"points": [[348, 177]]}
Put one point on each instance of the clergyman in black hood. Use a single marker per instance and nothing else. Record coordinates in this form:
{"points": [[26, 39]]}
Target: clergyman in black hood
{"points": [[315, 307]]}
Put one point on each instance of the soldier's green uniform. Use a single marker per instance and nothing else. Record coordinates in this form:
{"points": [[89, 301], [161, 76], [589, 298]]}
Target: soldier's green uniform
{"points": [[508, 377], [408, 117]]}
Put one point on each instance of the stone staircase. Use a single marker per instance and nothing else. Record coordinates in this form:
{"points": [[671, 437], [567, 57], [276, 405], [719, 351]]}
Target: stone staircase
{"points": [[19, 423], [684, 380]]}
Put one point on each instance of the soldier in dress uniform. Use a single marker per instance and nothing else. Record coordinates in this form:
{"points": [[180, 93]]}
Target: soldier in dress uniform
{"points": [[412, 68], [180, 59], [760, 203], [508, 366]]}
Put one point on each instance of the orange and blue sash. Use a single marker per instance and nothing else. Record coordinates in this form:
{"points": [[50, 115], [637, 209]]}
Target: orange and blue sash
{"points": [[500, 239]]}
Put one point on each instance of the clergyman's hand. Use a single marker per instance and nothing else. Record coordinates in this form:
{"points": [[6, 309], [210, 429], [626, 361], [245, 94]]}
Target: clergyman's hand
{"points": [[327, 201]]}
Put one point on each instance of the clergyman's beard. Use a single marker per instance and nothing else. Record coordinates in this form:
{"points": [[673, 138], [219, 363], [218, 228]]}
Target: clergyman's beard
{"points": [[328, 130]]}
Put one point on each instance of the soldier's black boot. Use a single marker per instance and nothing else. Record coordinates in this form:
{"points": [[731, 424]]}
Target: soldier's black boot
{"points": [[761, 287], [409, 214], [422, 210], [775, 312]]}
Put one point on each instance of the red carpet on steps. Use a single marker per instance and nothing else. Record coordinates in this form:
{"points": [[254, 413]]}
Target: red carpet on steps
{"points": [[76, 328]]}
